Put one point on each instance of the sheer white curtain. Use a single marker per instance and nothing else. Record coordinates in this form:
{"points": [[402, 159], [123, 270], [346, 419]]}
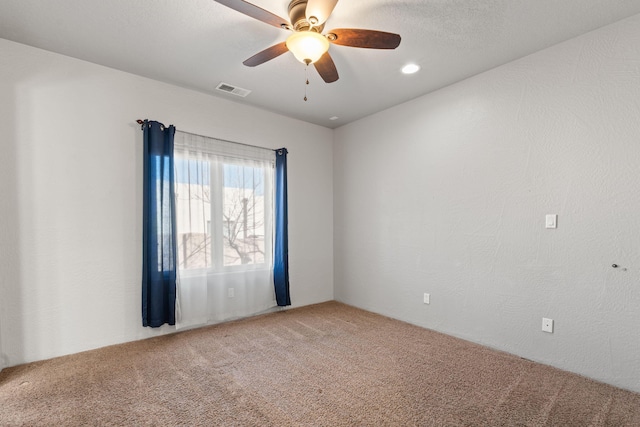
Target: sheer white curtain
{"points": [[224, 194]]}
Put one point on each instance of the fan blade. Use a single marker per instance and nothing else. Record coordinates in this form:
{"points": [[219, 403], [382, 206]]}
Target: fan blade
{"points": [[255, 12], [370, 39], [319, 9], [326, 68], [266, 55]]}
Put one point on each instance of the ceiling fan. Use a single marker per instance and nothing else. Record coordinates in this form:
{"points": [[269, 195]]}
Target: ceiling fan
{"points": [[307, 42]]}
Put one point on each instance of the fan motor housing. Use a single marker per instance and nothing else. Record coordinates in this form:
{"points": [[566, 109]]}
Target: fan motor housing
{"points": [[298, 17]]}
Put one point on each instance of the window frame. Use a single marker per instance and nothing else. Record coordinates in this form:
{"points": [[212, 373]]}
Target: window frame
{"points": [[217, 163]]}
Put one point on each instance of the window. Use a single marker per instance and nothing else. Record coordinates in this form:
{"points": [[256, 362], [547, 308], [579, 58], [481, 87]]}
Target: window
{"points": [[224, 206]]}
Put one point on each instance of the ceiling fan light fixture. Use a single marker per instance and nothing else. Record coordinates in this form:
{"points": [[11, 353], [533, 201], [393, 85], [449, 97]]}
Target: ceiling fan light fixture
{"points": [[307, 46]]}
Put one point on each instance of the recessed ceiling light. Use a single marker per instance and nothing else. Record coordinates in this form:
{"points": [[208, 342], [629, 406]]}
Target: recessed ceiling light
{"points": [[410, 68], [333, 118]]}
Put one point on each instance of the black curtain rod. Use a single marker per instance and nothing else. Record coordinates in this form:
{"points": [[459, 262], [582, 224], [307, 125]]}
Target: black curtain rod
{"points": [[141, 122]]}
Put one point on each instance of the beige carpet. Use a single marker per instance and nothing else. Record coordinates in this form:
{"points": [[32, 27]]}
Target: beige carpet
{"points": [[323, 365]]}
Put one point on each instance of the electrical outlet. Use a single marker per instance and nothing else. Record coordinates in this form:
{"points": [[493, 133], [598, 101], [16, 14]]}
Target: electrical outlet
{"points": [[231, 292], [427, 297], [547, 325]]}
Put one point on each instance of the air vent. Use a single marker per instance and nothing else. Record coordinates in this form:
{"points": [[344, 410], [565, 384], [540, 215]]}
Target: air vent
{"points": [[238, 91]]}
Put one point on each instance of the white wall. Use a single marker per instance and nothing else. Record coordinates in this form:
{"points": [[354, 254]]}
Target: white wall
{"points": [[447, 194], [71, 178]]}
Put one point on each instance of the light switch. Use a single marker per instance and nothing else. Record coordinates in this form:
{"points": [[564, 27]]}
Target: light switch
{"points": [[551, 221]]}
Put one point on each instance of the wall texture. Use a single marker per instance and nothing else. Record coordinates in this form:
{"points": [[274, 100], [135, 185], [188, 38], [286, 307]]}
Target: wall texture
{"points": [[447, 194], [71, 178]]}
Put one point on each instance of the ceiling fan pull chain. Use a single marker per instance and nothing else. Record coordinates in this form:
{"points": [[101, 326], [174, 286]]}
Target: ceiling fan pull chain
{"points": [[307, 79]]}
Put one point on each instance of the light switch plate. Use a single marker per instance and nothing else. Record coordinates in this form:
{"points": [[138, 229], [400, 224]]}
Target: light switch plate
{"points": [[551, 221]]}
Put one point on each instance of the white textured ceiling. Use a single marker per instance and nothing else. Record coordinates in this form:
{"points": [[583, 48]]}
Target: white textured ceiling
{"points": [[199, 43]]}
